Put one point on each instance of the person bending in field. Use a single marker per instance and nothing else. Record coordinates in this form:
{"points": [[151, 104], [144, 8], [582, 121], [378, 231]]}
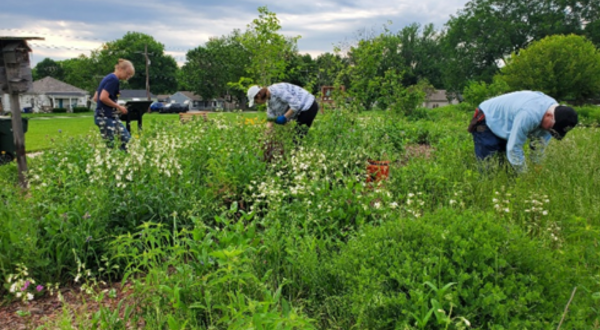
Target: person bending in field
{"points": [[286, 102], [502, 125], [107, 108]]}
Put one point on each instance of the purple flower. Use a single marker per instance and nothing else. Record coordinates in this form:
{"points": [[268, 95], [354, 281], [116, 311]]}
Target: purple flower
{"points": [[25, 286], [39, 288]]}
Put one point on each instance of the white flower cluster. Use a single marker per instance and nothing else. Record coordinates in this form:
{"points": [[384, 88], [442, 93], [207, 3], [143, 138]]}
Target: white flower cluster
{"points": [[21, 285], [415, 204], [159, 153], [537, 203], [502, 202]]}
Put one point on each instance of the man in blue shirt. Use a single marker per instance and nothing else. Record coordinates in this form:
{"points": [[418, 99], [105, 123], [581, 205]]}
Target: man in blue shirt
{"points": [[106, 97], [504, 123]]}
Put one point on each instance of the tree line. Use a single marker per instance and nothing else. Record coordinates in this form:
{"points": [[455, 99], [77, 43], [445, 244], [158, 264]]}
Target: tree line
{"points": [[489, 45]]}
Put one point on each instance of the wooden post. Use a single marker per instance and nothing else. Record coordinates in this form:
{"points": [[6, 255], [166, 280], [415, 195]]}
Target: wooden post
{"points": [[19, 138]]}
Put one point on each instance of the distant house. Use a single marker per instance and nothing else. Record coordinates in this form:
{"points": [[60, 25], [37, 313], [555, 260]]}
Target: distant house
{"points": [[437, 98], [163, 98], [184, 98], [134, 95], [196, 102], [49, 93]]}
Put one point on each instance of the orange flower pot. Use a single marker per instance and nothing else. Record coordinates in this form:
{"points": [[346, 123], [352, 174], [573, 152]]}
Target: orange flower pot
{"points": [[378, 170]]}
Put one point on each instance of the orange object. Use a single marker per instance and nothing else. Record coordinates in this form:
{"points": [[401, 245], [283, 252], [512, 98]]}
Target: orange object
{"points": [[378, 170]]}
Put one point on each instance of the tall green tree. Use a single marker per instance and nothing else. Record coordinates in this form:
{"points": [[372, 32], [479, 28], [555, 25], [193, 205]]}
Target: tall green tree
{"points": [[269, 50], [330, 66], [301, 70], [162, 68], [211, 67], [485, 32], [48, 68], [82, 72], [565, 67]]}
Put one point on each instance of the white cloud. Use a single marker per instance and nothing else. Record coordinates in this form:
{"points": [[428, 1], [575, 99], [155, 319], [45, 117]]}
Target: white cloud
{"points": [[186, 24]]}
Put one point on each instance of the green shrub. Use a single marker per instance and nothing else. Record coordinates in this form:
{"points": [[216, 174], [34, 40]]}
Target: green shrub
{"points": [[589, 114], [59, 110], [494, 275], [81, 109], [479, 91]]}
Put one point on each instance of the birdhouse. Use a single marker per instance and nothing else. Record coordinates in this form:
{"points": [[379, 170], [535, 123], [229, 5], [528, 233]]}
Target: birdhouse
{"points": [[15, 68]]}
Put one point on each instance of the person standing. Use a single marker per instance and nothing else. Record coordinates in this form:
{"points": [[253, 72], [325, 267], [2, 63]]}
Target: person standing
{"points": [[286, 102], [503, 124], [107, 108]]}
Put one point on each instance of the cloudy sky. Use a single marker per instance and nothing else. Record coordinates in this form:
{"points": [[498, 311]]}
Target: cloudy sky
{"points": [[73, 27]]}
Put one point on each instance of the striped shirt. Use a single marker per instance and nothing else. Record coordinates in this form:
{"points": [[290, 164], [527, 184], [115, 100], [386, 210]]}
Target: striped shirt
{"points": [[286, 96]]}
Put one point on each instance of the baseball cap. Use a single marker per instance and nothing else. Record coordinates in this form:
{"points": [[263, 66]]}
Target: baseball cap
{"points": [[252, 91], [565, 118]]}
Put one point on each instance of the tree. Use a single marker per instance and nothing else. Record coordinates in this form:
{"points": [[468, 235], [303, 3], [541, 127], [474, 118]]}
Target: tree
{"points": [[485, 32], [82, 72], [162, 69], [48, 68], [302, 70], [329, 68], [209, 69], [269, 51], [565, 67], [421, 52]]}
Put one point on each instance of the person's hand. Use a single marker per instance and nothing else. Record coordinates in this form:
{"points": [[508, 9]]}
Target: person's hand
{"points": [[123, 110], [281, 120]]}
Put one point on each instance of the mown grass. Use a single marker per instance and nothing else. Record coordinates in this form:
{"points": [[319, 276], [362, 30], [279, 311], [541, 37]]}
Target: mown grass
{"points": [[45, 129]]}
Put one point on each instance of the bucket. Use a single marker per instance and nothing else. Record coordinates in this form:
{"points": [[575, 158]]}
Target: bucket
{"points": [[378, 170]]}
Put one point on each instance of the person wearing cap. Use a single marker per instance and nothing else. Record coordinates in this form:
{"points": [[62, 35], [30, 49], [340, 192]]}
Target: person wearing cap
{"points": [[286, 102], [503, 124]]}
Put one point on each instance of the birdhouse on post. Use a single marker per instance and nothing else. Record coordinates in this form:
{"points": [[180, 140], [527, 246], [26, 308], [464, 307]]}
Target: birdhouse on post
{"points": [[16, 78]]}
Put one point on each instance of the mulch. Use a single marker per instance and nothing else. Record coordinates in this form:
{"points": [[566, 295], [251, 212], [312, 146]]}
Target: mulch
{"points": [[47, 310]]}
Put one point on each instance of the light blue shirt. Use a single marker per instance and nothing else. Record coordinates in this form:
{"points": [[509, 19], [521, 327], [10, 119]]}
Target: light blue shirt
{"points": [[517, 117], [286, 96]]}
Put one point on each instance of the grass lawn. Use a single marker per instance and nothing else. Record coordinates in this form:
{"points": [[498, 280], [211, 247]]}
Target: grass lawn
{"points": [[44, 128]]}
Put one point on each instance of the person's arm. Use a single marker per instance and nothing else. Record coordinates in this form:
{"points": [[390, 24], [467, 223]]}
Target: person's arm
{"points": [[538, 146], [95, 97], [105, 98], [521, 127], [289, 114]]}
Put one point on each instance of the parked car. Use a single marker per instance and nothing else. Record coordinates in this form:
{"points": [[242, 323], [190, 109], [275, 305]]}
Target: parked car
{"points": [[173, 108], [156, 106]]}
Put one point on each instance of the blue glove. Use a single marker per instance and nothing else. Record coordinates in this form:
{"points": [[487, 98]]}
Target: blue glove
{"points": [[281, 120]]}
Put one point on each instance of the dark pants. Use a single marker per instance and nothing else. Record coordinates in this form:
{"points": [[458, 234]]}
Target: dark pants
{"points": [[487, 144], [305, 120]]}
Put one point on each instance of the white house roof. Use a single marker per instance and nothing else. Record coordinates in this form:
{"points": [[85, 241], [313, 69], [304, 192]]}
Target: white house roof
{"points": [[53, 86]]}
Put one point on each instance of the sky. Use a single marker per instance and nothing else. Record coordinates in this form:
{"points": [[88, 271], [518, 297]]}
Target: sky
{"points": [[74, 27]]}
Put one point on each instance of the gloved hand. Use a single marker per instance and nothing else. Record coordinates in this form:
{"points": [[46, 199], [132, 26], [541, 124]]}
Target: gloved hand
{"points": [[281, 120]]}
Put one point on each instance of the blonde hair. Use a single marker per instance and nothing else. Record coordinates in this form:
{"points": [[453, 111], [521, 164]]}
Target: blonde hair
{"points": [[124, 65]]}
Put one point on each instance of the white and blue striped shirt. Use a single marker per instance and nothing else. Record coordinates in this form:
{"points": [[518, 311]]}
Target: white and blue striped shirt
{"points": [[286, 96]]}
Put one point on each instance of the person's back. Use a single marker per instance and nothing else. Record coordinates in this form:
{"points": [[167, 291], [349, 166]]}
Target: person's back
{"points": [[528, 107]]}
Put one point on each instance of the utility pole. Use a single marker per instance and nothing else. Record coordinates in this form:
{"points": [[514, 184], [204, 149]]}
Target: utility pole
{"points": [[147, 72]]}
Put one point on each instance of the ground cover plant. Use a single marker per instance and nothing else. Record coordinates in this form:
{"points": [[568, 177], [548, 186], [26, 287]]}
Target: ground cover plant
{"points": [[210, 236]]}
